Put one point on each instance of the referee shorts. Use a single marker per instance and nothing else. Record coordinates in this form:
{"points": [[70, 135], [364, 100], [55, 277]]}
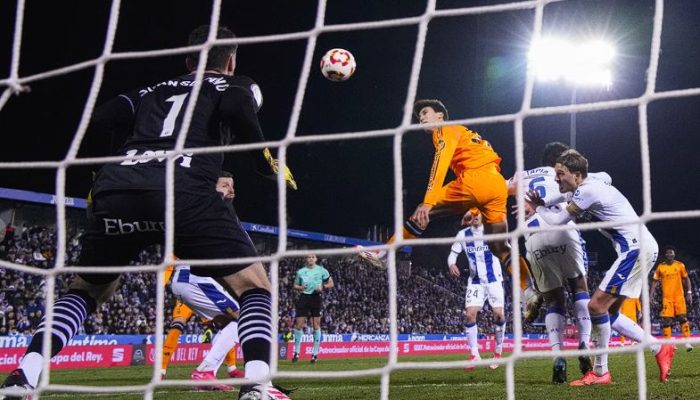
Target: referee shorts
{"points": [[123, 223], [309, 305]]}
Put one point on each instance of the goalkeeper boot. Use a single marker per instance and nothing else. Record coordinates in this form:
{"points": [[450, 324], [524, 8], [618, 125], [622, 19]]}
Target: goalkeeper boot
{"points": [[559, 370], [591, 378], [374, 257], [584, 362], [263, 392], [314, 358], [295, 357], [664, 359], [16, 386]]}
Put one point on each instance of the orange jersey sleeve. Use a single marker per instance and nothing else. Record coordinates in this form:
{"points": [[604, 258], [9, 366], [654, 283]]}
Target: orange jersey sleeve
{"points": [[671, 277], [169, 273], [458, 149]]}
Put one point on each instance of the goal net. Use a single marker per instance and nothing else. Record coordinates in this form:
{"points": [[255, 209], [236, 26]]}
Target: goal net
{"points": [[16, 87]]}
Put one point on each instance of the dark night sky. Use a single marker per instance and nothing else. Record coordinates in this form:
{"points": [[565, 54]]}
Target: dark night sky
{"points": [[475, 64]]}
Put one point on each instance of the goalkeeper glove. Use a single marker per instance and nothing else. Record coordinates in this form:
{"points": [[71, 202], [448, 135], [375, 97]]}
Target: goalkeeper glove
{"points": [[274, 164]]}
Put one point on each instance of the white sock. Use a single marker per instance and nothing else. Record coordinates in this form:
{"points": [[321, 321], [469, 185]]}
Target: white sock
{"points": [[554, 321], [601, 337], [473, 337], [31, 365], [257, 371], [231, 368], [625, 326], [222, 343], [583, 317], [500, 332]]}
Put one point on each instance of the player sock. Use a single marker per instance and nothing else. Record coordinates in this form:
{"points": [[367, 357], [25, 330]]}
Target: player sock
{"points": [[297, 340], [231, 357], [472, 335], [255, 333], [667, 331], [317, 340], [523, 266], [601, 336], [500, 331], [685, 329], [625, 326], [222, 343], [554, 321], [583, 317], [69, 314], [412, 230], [170, 343]]}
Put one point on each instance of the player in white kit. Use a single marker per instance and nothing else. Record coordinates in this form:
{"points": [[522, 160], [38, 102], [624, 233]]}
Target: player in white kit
{"points": [[557, 260], [485, 283], [625, 277]]}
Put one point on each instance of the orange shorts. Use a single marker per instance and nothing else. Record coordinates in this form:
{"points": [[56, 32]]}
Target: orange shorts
{"points": [[181, 310], [630, 307], [673, 307], [482, 188]]}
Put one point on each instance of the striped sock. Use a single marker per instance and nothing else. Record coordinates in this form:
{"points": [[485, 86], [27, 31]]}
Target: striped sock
{"points": [[69, 313], [255, 333]]}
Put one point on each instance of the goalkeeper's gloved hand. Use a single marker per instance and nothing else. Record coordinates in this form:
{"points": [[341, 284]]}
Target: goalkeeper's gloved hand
{"points": [[274, 164]]}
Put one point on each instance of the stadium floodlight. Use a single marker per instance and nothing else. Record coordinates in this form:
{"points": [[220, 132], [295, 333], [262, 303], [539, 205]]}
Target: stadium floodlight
{"points": [[580, 64], [576, 64]]}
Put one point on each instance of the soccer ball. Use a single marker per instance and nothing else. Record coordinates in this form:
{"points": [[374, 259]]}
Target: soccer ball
{"points": [[338, 65]]}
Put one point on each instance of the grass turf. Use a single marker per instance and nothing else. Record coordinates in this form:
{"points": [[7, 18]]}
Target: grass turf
{"points": [[532, 381]]}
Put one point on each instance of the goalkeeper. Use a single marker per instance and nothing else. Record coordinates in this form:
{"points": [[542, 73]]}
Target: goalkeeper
{"points": [[127, 212]]}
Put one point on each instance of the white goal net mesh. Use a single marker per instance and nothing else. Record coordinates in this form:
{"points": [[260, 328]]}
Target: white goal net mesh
{"points": [[15, 84]]}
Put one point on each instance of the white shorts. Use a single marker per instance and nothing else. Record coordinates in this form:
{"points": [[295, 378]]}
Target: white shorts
{"points": [[206, 297], [555, 257], [627, 274], [478, 293]]}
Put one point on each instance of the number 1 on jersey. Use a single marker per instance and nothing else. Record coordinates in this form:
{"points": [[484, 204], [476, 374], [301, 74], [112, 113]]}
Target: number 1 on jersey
{"points": [[169, 122]]}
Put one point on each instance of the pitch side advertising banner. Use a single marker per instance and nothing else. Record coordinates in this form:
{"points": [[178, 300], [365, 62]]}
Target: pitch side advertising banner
{"points": [[74, 357]]}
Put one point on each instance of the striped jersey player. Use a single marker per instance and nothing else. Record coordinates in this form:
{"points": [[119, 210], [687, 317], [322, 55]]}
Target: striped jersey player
{"points": [[484, 284]]}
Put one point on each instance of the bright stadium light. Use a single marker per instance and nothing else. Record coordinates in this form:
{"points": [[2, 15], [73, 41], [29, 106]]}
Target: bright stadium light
{"points": [[585, 64], [574, 63]]}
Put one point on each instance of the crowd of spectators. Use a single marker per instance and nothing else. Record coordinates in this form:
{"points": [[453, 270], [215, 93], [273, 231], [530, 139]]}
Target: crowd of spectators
{"points": [[429, 301]]}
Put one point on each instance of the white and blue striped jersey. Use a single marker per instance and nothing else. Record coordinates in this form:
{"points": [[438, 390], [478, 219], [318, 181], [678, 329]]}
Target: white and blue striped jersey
{"points": [[606, 203], [484, 267]]}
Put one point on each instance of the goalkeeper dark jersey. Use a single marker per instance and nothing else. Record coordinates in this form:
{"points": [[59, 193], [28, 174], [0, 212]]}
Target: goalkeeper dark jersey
{"points": [[226, 112]]}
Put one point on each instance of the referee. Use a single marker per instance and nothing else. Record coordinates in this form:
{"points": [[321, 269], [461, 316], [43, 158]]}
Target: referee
{"points": [[311, 279]]}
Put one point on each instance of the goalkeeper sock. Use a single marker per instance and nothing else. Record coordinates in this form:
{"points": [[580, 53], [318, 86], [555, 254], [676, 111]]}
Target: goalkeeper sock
{"points": [[667, 331], [410, 230], [601, 337], [685, 328], [473, 337], [583, 317], [554, 321], [524, 269], [317, 340], [231, 358], [222, 343], [255, 333], [70, 312], [170, 343], [297, 340]]}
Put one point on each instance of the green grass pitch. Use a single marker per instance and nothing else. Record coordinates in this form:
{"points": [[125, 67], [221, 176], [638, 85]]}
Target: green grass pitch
{"points": [[532, 381]]}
